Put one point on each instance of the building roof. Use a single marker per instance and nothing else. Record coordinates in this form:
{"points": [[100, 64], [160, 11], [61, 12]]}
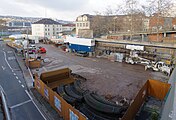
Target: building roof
{"points": [[88, 16], [69, 25], [46, 21]]}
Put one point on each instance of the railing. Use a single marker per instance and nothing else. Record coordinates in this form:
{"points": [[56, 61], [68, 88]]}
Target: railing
{"points": [[6, 109]]}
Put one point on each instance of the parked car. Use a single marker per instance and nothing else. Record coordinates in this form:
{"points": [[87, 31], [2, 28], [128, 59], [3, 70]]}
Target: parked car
{"points": [[41, 50], [31, 51]]}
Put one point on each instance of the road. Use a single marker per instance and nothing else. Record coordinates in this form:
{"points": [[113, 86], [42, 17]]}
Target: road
{"points": [[21, 104]]}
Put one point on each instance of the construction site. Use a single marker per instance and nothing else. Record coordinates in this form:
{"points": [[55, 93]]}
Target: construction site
{"points": [[114, 81], [115, 84]]}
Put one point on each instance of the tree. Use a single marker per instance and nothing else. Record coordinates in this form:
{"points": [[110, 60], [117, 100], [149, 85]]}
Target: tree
{"points": [[2, 24]]}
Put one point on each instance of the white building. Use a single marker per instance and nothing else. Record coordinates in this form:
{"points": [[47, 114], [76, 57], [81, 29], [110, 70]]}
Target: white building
{"points": [[83, 22], [46, 28], [68, 27]]}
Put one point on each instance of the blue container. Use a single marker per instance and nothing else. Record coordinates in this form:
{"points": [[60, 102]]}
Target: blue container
{"points": [[81, 48]]}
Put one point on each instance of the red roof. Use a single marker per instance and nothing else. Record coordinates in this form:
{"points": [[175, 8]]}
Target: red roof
{"points": [[70, 25]]}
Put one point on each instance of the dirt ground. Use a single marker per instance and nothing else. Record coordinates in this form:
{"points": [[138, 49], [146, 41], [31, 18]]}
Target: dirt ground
{"points": [[119, 80]]}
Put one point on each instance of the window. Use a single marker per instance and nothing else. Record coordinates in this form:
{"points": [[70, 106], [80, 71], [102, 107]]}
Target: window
{"points": [[48, 33], [45, 33], [80, 24], [45, 29], [168, 35], [77, 24], [86, 24], [83, 24], [48, 29], [174, 27], [154, 28]]}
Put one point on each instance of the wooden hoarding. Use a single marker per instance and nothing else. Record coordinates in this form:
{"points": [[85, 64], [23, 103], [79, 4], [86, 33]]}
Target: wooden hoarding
{"points": [[64, 109]]}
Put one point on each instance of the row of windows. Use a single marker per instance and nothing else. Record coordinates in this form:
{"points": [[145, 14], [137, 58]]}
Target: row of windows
{"points": [[52, 25], [53, 33], [53, 29], [82, 24]]}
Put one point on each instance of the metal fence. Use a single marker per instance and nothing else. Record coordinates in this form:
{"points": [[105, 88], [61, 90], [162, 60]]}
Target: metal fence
{"points": [[169, 110]]}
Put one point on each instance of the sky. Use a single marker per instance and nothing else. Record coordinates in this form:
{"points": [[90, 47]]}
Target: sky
{"points": [[60, 9]]}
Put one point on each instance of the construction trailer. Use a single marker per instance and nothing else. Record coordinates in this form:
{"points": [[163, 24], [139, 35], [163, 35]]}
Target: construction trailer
{"points": [[80, 44]]}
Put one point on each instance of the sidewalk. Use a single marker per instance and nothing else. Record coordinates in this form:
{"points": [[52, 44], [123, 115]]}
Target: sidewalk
{"points": [[26, 71]]}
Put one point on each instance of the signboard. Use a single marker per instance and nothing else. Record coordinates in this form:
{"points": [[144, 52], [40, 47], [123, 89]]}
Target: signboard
{"points": [[46, 93], [135, 47], [38, 84], [57, 103], [73, 116]]}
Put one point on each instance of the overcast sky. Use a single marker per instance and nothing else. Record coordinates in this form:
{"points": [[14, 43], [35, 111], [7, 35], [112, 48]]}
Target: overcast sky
{"points": [[61, 9]]}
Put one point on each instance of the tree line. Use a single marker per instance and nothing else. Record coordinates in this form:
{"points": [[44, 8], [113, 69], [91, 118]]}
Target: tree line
{"points": [[129, 17]]}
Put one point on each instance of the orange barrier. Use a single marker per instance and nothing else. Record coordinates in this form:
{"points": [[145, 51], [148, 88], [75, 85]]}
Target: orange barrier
{"points": [[138, 101], [152, 88], [33, 63], [158, 89], [64, 109]]}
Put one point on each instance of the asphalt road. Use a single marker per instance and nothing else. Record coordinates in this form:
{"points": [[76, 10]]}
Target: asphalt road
{"points": [[12, 81]]}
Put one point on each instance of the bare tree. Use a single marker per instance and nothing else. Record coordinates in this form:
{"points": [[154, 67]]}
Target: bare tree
{"points": [[3, 26], [2, 23]]}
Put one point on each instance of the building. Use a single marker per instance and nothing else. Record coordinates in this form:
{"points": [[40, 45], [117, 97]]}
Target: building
{"points": [[18, 24], [146, 23], [68, 27], [162, 29], [83, 22], [46, 28]]}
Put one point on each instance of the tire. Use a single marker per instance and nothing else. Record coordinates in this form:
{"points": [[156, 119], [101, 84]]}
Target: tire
{"points": [[61, 92], [101, 107], [102, 100], [100, 114], [69, 92]]}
